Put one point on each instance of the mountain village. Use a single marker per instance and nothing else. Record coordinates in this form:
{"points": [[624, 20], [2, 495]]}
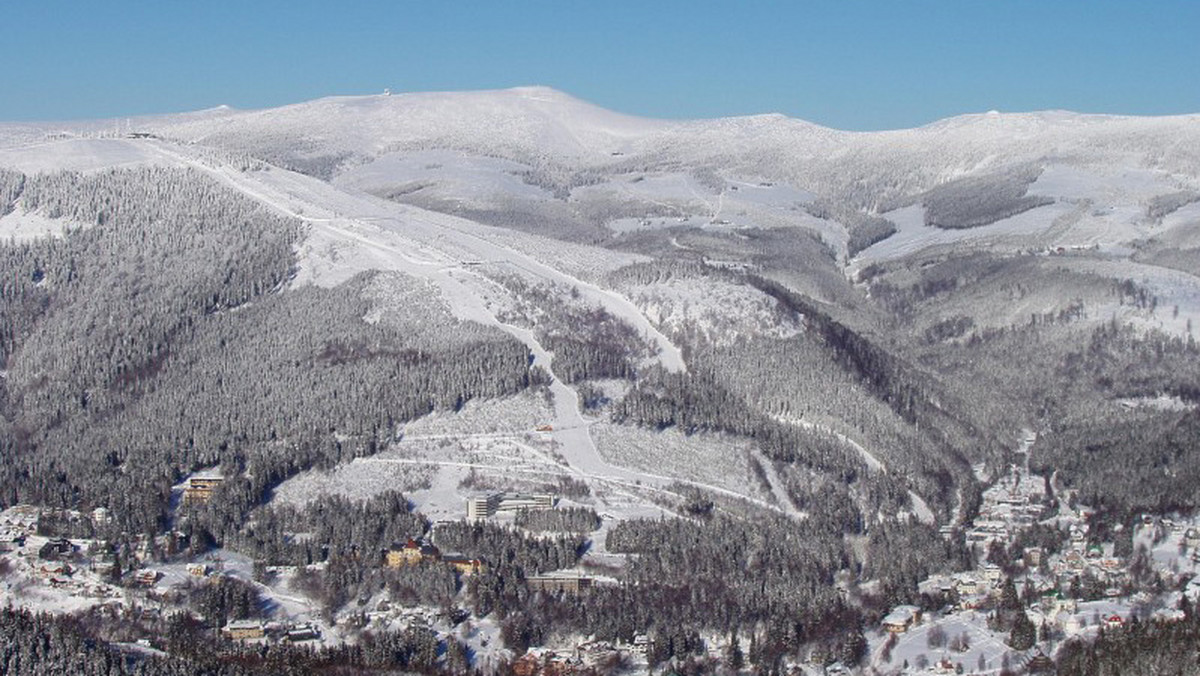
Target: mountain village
{"points": [[1036, 558]]}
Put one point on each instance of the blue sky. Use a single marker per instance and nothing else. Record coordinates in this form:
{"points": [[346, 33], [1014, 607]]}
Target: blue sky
{"points": [[848, 64]]}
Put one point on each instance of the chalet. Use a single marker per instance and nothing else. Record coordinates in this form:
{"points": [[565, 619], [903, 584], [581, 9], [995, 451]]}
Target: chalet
{"points": [[464, 565], [1113, 621], [1075, 561], [55, 549], [966, 585], [146, 577], [1039, 663], [992, 573], [410, 554], [242, 630], [197, 569], [901, 619], [200, 489], [567, 583], [21, 517]]}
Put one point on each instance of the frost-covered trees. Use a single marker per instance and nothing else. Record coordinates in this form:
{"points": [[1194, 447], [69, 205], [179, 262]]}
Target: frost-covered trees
{"points": [[159, 340], [982, 200]]}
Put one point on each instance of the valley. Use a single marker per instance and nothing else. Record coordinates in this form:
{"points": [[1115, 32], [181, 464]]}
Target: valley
{"points": [[508, 382]]}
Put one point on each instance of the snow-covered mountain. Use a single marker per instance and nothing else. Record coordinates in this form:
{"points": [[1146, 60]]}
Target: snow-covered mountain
{"points": [[697, 254]]}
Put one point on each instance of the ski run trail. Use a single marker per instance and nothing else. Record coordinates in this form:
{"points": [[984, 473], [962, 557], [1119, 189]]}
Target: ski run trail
{"points": [[444, 250]]}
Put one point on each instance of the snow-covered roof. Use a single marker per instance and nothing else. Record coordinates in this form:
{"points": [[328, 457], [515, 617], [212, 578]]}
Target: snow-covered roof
{"points": [[901, 615]]}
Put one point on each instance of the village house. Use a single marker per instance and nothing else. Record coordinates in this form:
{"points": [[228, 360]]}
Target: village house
{"points": [[410, 554], [1078, 537], [146, 577], [966, 585], [464, 565], [1032, 556], [241, 630], [901, 619], [23, 518], [101, 516], [1054, 603], [55, 549], [11, 538], [545, 663]]}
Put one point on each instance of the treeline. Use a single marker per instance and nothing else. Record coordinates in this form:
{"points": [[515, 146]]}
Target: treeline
{"points": [[501, 547], [509, 557], [864, 229], [976, 201], [11, 185], [771, 580], [588, 342], [1128, 463], [1110, 453], [902, 553], [1160, 206], [49, 645], [329, 526], [561, 520], [1140, 648]]}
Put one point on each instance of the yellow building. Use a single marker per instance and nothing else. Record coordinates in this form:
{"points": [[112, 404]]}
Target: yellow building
{"points": [[244, 629], [410, 554]]}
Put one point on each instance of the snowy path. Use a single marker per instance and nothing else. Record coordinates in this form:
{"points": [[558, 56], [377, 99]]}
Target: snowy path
{"points": [[921, 508], [873, 463], [420, 238], [778, 490]]}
